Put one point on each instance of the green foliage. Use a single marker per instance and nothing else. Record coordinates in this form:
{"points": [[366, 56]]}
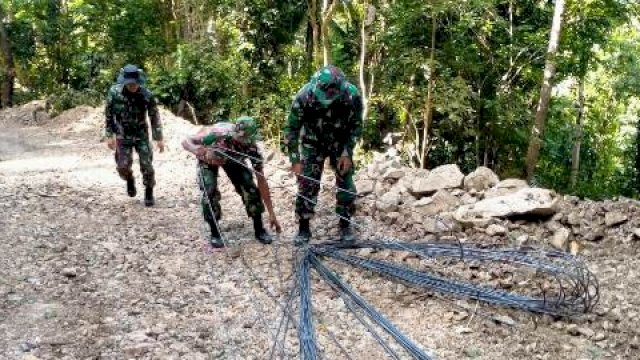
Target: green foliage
{"points": [[70, 98], [228, 58], [210, 81]]}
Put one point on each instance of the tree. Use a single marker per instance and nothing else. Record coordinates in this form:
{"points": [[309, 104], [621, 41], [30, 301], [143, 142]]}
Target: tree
{"points": [[8, 66], [533, 153]]}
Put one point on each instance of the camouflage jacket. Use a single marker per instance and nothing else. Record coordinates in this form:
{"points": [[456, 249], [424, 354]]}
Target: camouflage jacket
{"points": [[332, 129], [125, 113], [220, 137]]}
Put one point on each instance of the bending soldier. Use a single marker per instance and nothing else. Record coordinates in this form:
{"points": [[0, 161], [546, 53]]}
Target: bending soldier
{"points": [[239, 139]]}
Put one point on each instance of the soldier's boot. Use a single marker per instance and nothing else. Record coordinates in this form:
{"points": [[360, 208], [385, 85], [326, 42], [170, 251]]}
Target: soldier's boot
{"points": [[262, 235], [148, 196], [215, 240], [347, 236], [304, 233], [131, 186]]}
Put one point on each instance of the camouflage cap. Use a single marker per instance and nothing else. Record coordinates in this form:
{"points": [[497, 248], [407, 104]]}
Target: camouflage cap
{"points": [[327, 83], [247, 128], [130, 74]]}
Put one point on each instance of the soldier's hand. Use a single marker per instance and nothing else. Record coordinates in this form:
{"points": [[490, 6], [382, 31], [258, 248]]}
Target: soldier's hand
{"points": [[344, 164], [160, 145], [111, 143], [275, 225], [296, 169], [201, 153]]}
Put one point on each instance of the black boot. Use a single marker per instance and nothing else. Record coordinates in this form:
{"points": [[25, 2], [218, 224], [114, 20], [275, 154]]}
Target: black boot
{"points": [[346, 233], [261, 233], [131, 186], [148, 196], [215, 240], [304, 233]]}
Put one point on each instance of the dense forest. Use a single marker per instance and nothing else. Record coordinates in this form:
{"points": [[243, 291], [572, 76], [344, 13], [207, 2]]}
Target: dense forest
{"points": [[540, 89]]}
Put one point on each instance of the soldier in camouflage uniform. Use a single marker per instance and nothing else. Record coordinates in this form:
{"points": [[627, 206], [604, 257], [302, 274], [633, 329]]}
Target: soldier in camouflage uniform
{"points": [[325, 121], [239, 139], [128, 103]]}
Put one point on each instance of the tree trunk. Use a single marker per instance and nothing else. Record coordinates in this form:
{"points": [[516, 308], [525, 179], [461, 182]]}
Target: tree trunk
{"points": [[638, 156], [533, 153], [429, 112], [315, 31], [327, 15], [575, 155], [8, 66], [367, 19]]}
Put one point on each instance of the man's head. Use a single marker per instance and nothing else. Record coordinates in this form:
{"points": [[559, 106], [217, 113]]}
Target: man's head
{"points": [[327, 84], [131, 77], [246, 130]]}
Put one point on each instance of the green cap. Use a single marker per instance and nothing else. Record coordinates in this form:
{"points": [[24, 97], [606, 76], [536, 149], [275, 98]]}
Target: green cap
{"points": [[249, 128], [327, 83]]}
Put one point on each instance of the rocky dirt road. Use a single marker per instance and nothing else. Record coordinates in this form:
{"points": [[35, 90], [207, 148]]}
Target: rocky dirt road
{"points": [[88, 273]]}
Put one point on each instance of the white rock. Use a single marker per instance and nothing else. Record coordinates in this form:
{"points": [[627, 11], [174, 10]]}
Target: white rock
{"points": [[481, 179], [365, 187], [528, 201], [436, 225], [560, 238], [389, 201], [495, 229], [614, 218], [574, 218], [393, 174], [442, 177], [440, 202], [69, 272], [505, 187], [522, 239], [636, 233]]}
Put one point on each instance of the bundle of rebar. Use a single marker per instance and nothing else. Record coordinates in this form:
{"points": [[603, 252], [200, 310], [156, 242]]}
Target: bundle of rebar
{"points": [[567, 286]]}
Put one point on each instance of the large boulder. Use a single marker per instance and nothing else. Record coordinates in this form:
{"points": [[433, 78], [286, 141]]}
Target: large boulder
{"points": [[527, 201], [505, 187], [389, 202], [481, 179], [365, 187], [442, 177], [440, 202], [393, 174]]}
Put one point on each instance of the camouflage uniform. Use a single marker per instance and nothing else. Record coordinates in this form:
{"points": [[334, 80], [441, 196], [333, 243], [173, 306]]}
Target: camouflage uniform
{"points": [[221, 137], [126, 119], [325, 121]]}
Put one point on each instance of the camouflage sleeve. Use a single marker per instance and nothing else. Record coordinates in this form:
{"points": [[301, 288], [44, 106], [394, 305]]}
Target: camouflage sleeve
{"points": [[109, 123], [291, 143], [154, 117], [354, 122], [256, 158], [210, 139]]}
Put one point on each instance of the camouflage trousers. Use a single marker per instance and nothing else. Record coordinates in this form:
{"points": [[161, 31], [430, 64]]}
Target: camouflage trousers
{"points": [[242, 180], [124, 158], [312, 167]]}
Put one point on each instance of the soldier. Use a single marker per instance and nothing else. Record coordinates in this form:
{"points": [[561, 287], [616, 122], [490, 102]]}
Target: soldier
{"points": [[239, 139], [128, 103], [325, 121]]}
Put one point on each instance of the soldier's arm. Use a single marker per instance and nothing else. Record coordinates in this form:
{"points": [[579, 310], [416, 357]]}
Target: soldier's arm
{"points": [[255, 156], [109, 124], [154, 117], [354, 122], [291, 143]]}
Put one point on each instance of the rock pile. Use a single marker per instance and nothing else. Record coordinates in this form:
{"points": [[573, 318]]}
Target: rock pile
{"points": [[427, 204], [31, 114]]}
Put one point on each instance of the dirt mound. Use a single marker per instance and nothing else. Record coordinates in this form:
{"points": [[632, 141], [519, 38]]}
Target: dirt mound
{"points": [[31, 114]]}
